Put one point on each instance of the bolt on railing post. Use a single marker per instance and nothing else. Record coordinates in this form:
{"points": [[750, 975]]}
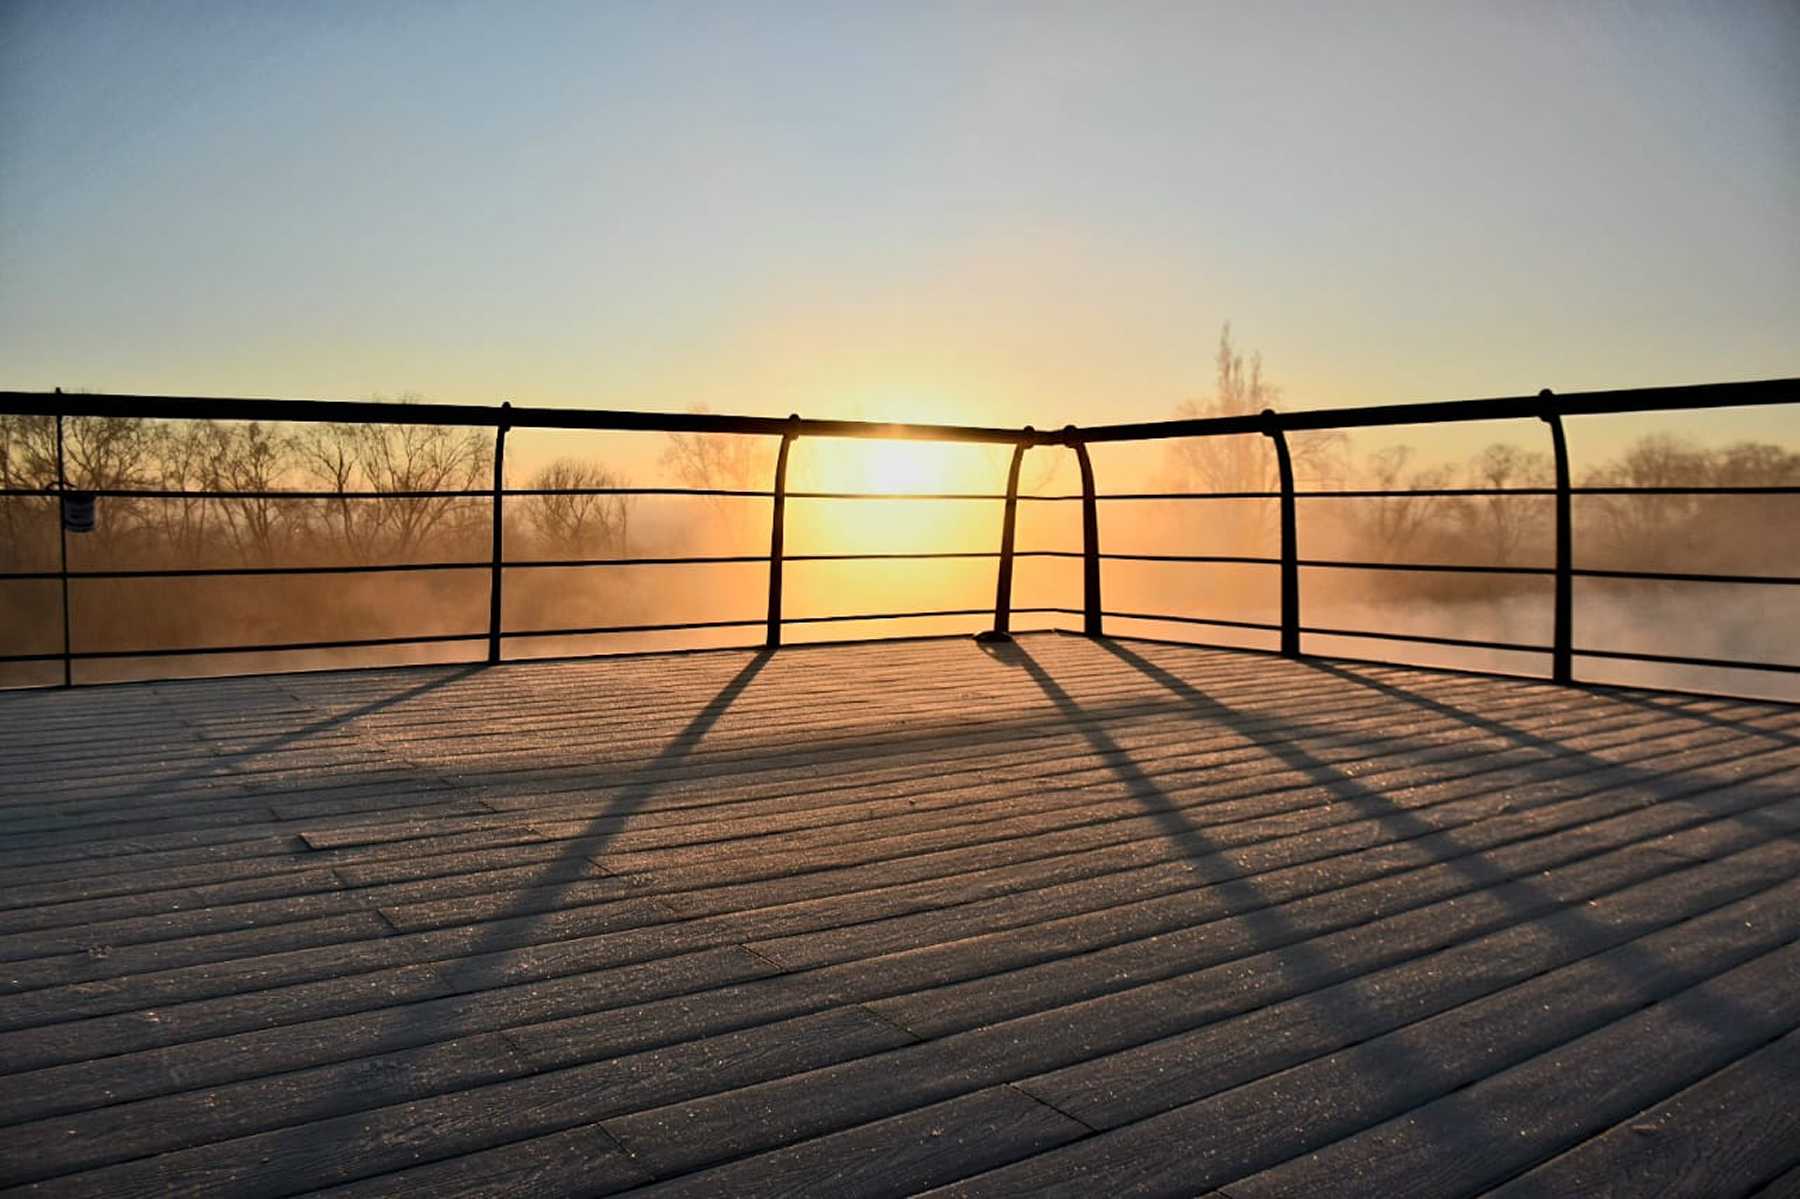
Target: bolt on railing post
{"points": [[1002, 630], [62, 532], [1090, 540], [497, 569], [778, 533], [1290, 551], [1562, 652]]}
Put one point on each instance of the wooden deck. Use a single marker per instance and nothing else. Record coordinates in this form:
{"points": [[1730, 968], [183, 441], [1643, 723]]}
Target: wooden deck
{"points": [[1073, 917]]}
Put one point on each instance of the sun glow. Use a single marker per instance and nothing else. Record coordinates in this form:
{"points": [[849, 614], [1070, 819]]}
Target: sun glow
{"points": [[902, 467]]}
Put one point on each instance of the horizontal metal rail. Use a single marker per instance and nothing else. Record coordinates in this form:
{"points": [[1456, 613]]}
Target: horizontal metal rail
{"points": [[512, 492], [1681, 660], [1666, 576], [1352, 493], [1582, 403], [447, 638], [1462, 642], [1169, 618], [228, 572], [482, 416]]}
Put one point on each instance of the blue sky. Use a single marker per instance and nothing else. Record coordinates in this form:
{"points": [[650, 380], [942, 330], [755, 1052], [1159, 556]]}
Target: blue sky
{"points": [[982, 212]]}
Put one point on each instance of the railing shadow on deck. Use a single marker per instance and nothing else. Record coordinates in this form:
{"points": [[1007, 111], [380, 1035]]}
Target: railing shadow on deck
{"points": [[1630, 961], [207, 771], [580, 861], [491, 957], [1304, 964]]}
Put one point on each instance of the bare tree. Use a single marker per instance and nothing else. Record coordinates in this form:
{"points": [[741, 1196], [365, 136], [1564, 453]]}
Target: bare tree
{"points": [[248, 459], [396, 458], [1235, 464], [573, 518], [721, 461], [100, 453], [327, 456], [1392, 527], [1656, 529], [1505, 522], [183, 455], [26, 523]]}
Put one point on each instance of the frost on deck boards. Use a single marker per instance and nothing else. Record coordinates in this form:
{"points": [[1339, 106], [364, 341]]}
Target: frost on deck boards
{"points": [[1071, 917]]}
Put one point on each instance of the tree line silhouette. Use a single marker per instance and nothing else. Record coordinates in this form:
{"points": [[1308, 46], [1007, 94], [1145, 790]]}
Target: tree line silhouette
{"points": [[1694, 532]]}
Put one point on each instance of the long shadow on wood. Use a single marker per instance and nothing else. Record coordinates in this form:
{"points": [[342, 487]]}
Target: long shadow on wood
{"points": [[1628, 960], [580, 861], [246, 789], [1688, 708], [1245, 900], [1550, 748], [487, 961]]}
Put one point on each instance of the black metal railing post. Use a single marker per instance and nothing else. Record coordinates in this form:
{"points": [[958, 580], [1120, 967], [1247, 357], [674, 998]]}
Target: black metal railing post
{"points": [[1562, 652], [62, 533], [497, 568], [1290, 549], [778, 533], [1009, 520], [1090, 540]]}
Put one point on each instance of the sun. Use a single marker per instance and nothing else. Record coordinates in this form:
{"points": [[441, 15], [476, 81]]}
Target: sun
{"points": [[902, 467]]}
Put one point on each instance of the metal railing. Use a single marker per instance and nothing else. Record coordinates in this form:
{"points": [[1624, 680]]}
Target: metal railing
{"points": [[1545, 407]]}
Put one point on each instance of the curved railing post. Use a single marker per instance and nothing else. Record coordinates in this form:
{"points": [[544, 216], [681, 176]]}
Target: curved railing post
{"points": [[778, 533], [1562, 651], [497, 569], [1002, 630], [1290, 551], [1090, 539]]}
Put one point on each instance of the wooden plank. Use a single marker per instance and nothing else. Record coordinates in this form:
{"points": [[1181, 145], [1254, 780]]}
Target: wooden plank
{"points": [[899, 1156], [344, 1148], [1154, 847], [48, 1148], [1154, 843], [1181, 939], [50, 882], [579, 1161], [1003, 964], [173, 899], [759, 1117], [413, 1023], [23, 1011], [1786, 1186], [1329, 1091], [187, 922], [323, 1001], [1725, 1135], [640, 797], [1226, 889], [1116, 1089], [1047, 832], [97, 959], [1513, 1119], [890, 739]]}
